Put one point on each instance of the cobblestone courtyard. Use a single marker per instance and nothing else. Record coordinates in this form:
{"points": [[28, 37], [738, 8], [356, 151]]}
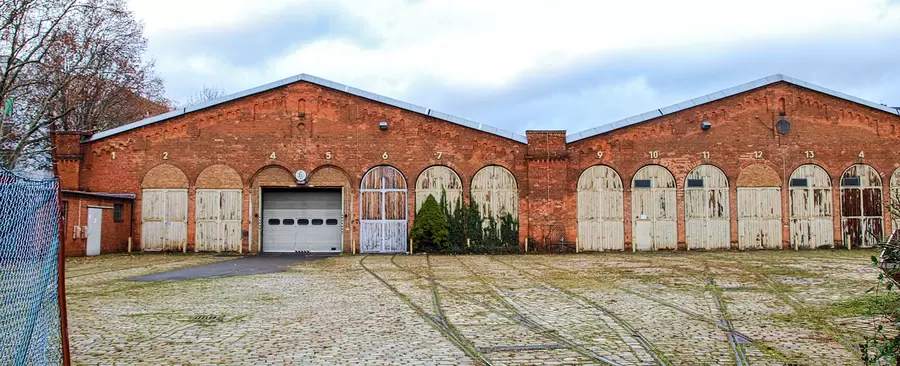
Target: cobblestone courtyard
{"points": [[684, 308]]}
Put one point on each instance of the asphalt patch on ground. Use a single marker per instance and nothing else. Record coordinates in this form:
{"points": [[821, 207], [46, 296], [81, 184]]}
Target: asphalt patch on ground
{"points": [[242, 266]]}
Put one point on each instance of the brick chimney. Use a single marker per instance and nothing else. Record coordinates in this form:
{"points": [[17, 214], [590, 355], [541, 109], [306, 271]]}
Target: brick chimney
{"points": [[547, 177], [68, 156]]}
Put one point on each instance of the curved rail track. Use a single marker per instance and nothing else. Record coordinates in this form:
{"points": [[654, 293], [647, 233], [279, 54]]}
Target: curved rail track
{"points": [[438, 324], [640, 338]]}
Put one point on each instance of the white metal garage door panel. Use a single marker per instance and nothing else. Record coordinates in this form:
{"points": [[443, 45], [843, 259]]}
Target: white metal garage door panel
{"points": [[302, 221]]}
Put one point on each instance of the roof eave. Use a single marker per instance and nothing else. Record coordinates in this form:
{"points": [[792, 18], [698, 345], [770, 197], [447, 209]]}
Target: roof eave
{"points": [[321, 82], [745, 87]]}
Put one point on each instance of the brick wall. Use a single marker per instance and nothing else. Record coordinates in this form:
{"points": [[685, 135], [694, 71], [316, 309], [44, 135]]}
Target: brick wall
{"points": [[307, 127], [743, 126], [114, 234], [335, 136]]}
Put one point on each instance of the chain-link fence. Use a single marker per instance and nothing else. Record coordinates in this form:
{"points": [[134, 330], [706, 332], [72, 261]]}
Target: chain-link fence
{"points": [[29, 271]]}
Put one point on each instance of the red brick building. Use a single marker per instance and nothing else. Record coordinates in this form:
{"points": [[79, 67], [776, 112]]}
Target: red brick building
{"points": [[306, 164]]}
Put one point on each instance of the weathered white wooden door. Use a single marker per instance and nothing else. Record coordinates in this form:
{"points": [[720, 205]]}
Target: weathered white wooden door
{"points": [[94, 231], [653, 210], [707, 209], [759, 217], [862, 221], [218, 220], [383, 211], [812, 223], [164, 219], [434, 181], [495, 192], [601, 221]]}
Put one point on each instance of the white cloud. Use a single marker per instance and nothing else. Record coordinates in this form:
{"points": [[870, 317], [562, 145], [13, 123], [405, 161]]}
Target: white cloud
{"points": [[482, 44]]}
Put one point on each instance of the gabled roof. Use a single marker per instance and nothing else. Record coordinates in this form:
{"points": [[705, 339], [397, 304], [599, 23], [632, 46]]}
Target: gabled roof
{"points": [[759, 83], [321, 82]]}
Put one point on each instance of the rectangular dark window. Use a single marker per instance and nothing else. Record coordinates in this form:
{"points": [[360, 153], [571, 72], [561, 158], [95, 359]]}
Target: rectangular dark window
{"points": [[642, 183], [118, 215], [331, 222], [302, 221], [317, 221], [274, 222], [799, 182], [287, 222], [850, 182], [695, 183]]}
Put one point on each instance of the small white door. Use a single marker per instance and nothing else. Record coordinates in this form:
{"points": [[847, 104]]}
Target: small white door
{"points": [[95, 220]]}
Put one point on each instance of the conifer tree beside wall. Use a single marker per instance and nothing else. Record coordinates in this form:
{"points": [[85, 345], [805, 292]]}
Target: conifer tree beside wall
{"points": [[429, 231]]}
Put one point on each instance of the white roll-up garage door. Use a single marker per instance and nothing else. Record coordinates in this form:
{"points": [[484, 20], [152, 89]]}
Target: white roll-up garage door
{"points": [[302, 221]]}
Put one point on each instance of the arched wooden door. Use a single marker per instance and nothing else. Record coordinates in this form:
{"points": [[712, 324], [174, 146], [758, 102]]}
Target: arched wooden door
{"points": [[812, 223], [759, 208], [164, 206], [653, 210], [601, 221], [706, 209], [495, 192], [436, 180], [383, 216], [862, 216]]}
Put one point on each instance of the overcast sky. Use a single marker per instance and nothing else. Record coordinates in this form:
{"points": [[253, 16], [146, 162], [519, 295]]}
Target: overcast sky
{"points": [[522, 65]]}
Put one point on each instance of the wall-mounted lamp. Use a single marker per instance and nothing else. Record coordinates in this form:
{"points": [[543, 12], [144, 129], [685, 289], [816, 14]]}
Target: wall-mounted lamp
{"points": [[705, 125], [382, 125]]}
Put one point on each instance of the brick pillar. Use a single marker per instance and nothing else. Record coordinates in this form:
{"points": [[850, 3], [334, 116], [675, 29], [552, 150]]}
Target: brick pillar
{"points": [[68, 156], [547, 162]]}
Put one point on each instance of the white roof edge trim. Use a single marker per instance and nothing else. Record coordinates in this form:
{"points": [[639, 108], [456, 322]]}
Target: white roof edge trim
{"points": [[755, 84], [321, 82]]}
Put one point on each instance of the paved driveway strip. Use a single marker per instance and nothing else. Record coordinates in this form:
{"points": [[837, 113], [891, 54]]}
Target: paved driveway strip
{"points": [[242, 266]]}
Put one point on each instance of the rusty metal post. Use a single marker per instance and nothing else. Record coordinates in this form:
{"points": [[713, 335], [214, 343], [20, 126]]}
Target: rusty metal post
{"points": [[410, 246], [129, 244], [526, 245], [61, 281]]}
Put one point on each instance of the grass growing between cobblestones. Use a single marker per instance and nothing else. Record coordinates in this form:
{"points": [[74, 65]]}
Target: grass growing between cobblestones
{"points": [[793, 304]]}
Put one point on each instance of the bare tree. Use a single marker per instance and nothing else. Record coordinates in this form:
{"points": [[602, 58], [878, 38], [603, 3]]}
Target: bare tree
{"points": [[69, 65], [206, 94]]}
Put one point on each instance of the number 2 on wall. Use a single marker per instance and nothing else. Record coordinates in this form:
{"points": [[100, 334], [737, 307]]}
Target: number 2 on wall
{"points": [[165, 155]]}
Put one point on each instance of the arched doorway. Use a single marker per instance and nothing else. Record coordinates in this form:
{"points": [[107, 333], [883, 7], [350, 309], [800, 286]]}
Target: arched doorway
{"points": [[653, 210], [383, 211], [217, 215], [436, 180], [707, 209], [812, 223], [862, 216], [759, 208], [164, 203], [601, 221]]}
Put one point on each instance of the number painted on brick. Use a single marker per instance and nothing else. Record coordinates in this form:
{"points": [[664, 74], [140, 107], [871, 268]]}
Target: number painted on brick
{"points": [[758, 154], [165, 155], [705, 154], [328, 155], [861, 155], [810, 154], [114, 155], [272, 156], [654, 155], [439, 154], [599, 155], [384, 156]]}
